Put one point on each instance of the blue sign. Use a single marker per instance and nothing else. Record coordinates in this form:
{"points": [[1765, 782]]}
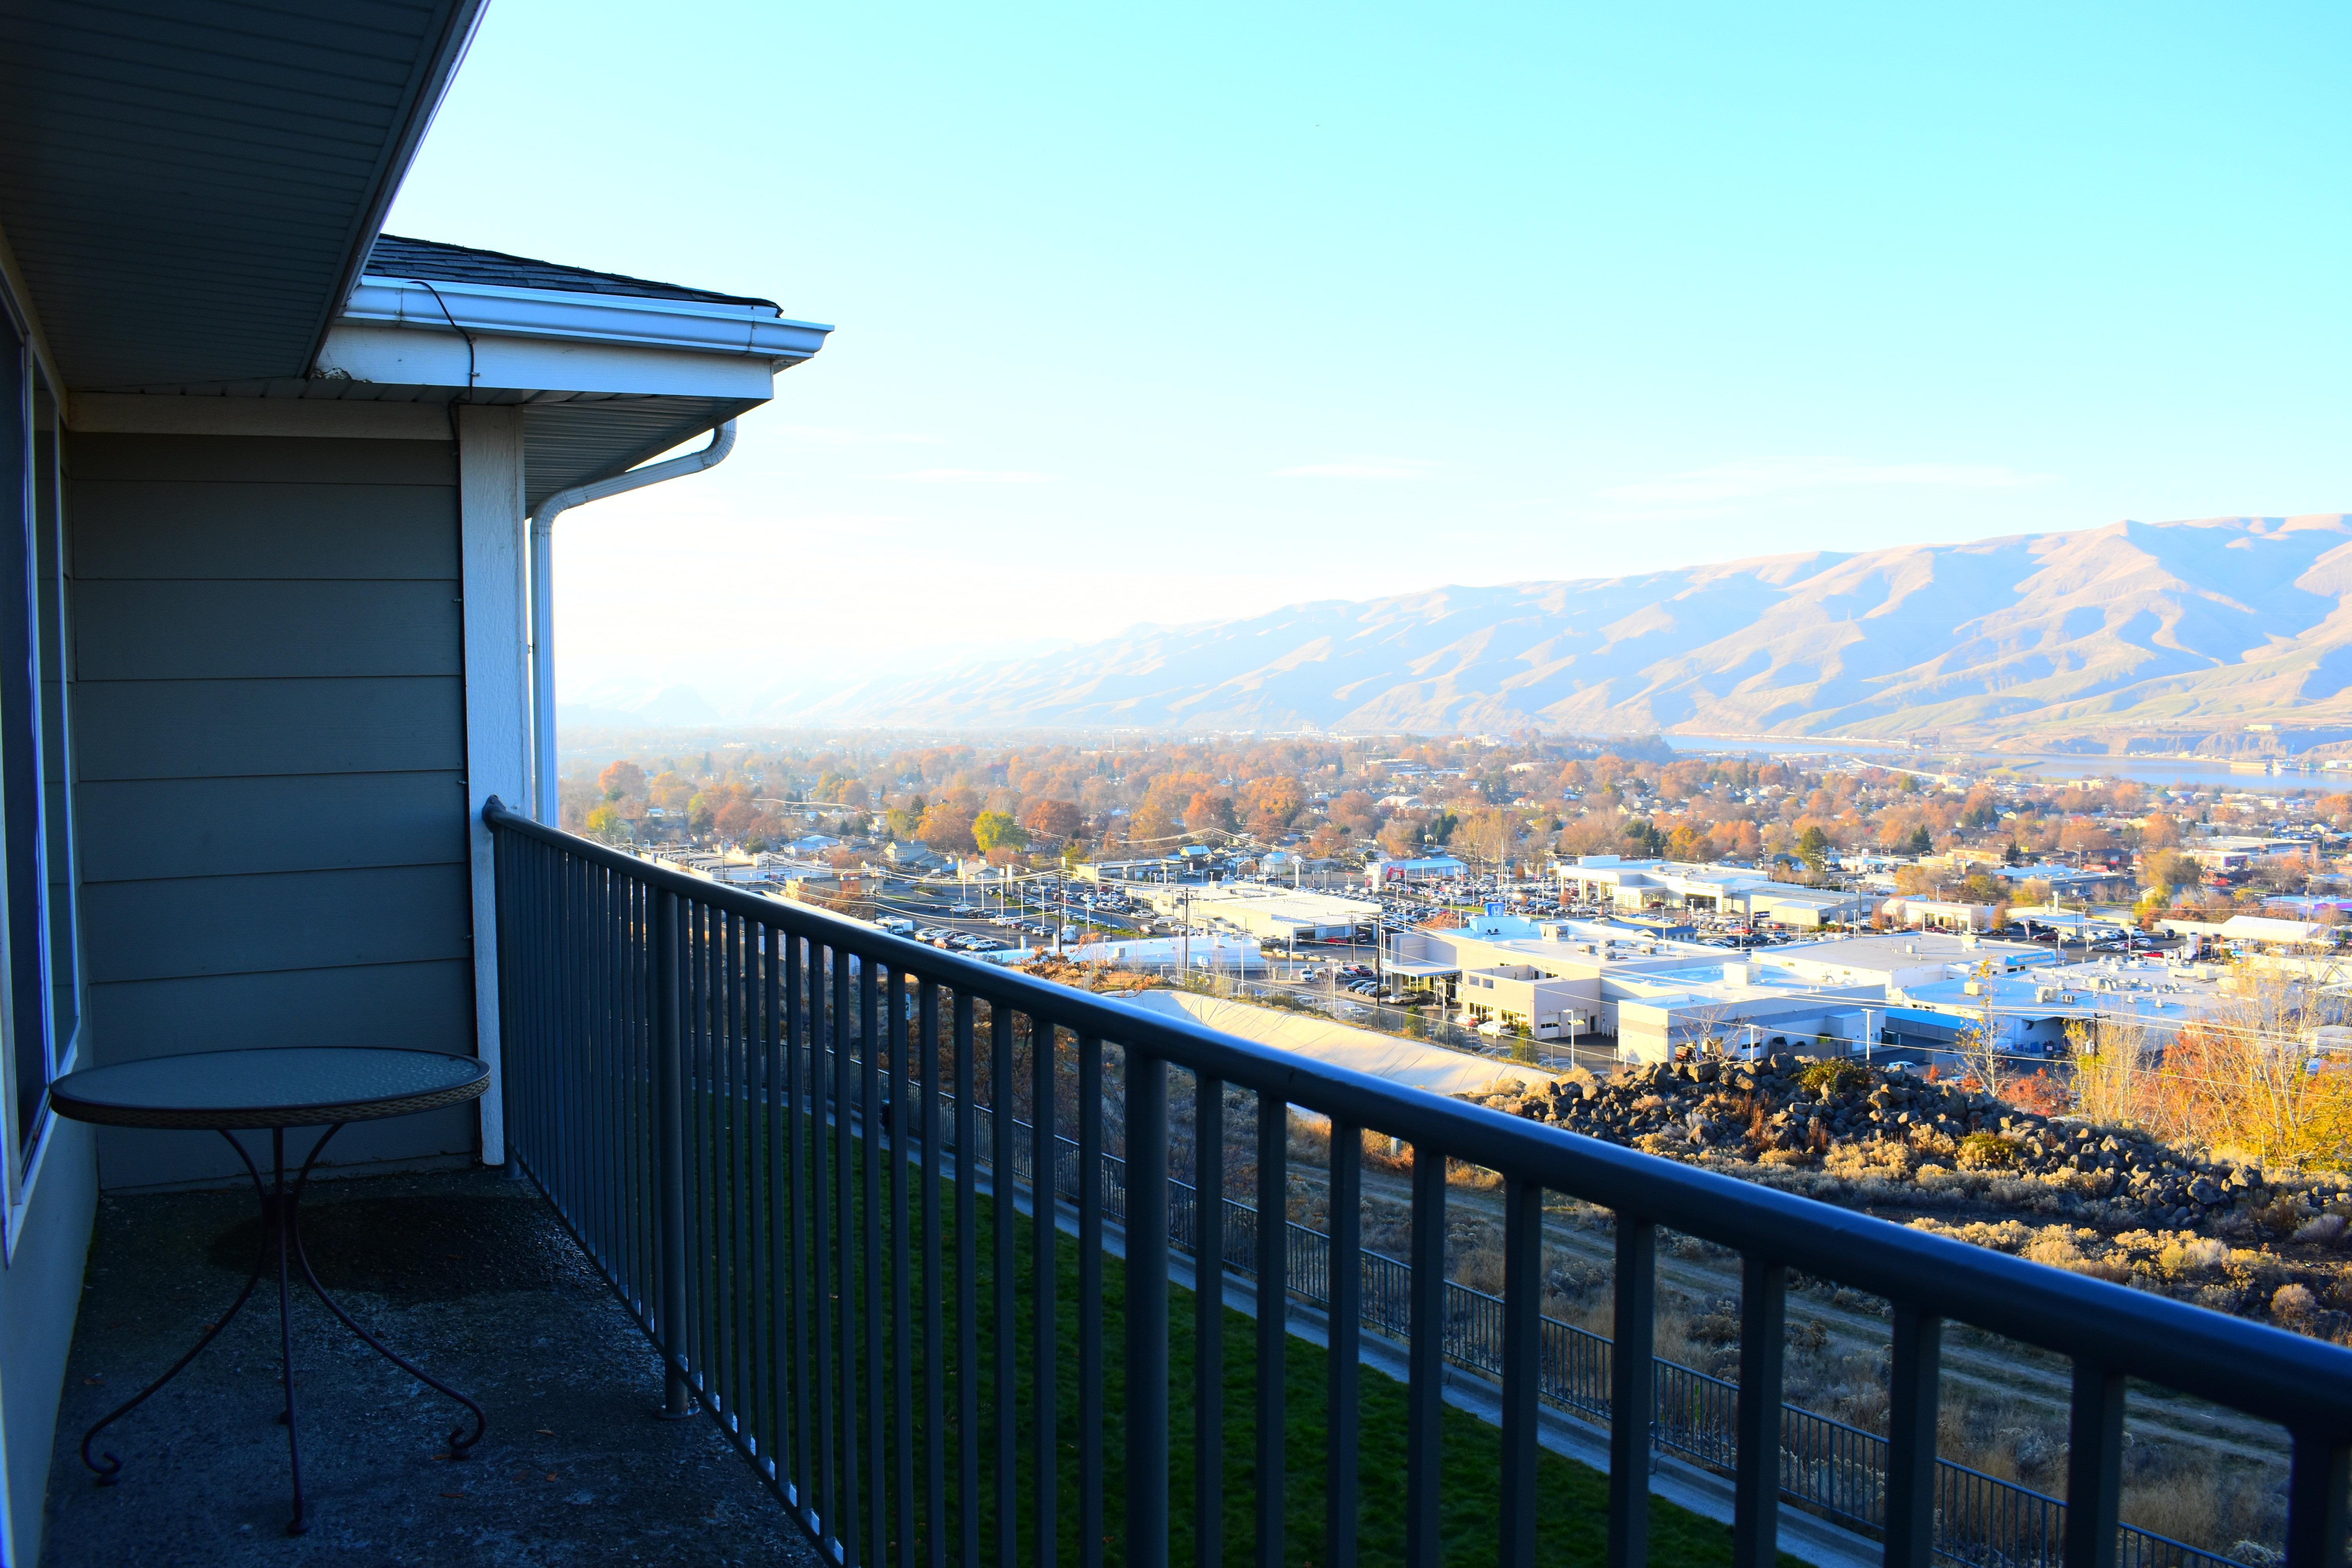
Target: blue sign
{"points": [[1494, 906]]}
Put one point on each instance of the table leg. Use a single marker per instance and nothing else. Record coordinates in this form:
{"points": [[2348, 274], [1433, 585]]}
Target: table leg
{"points": [[107, 1466], [460, 1441], [281, 1208]]}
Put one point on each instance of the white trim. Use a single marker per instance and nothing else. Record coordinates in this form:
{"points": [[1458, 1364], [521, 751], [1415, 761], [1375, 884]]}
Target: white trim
{"points": [[140, 414], [498, 697], [430, 355], [11, 279], [28, 1184], [704, 326]]}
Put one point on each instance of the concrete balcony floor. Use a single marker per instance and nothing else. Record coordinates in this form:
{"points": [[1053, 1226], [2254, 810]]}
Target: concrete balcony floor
{"points": [[468, 1275]]}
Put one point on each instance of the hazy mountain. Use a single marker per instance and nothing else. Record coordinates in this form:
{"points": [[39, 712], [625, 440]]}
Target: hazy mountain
{"points": [[2136, 627], [621, 706]]}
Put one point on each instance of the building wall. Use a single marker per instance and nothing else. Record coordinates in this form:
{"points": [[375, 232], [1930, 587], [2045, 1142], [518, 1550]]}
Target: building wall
{"points": [[270, 763], [39, 1293]]}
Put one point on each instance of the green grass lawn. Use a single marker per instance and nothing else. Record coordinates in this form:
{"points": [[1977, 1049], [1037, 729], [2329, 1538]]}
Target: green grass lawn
{"points": [[1572, 1516]]}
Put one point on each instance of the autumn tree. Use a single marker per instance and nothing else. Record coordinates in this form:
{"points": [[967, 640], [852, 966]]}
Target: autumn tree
{"points": [[1400, 836], [1274, 804], [1153, 826], [1052, 818], [1492, 835], [906, 821], [947, 827], [1734, 841], [1689, 843], [2086, 839], [1209, 811], [623, 780], [994, 830]]}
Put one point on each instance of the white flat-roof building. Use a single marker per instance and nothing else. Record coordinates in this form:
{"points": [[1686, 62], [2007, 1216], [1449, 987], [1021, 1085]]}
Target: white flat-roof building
{"points": [[1894, 960], [1939, 914], [2254, 931], [1382, 874], [2030, 1009], [1724, 889], [1559, 979], [1266, 911]]}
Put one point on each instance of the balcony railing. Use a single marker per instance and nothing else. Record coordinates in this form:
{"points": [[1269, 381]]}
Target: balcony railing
{"points": [[777, 1132]]}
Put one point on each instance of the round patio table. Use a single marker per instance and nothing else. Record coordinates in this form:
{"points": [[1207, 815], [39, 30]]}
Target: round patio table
{"points": [[232, 1091]]}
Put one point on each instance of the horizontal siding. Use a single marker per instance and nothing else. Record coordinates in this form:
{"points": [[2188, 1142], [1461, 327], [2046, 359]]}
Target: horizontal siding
{"points": [[427, 1006], [130, 530], [234, 828], [150, 630], [270, 759], [349, 463], [286, 920], [226, 728], [130, 1158]]}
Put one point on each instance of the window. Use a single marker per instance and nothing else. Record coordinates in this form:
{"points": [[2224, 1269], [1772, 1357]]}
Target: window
{"points": [[37, 861]]}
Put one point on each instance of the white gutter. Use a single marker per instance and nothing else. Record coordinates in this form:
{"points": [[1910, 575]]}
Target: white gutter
{"points": [[707, 325], [542, 598]]}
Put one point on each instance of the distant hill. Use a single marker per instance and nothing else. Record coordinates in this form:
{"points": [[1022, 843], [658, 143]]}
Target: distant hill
{"points": [[2177, 628]]}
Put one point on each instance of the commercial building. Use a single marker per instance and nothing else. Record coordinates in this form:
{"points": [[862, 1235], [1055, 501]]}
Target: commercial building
{"points": [[2255, 931], [1156, 868], [2227, 853], [1737, 890], [2028, 1012], [1572, 979], [1392, 874], [1269, 911], [1939, 914]]}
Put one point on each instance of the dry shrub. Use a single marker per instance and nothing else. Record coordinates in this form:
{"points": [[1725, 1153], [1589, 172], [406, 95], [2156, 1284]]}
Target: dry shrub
{"points": [[2192, 1255], [2324, 1230], [1986, 1152], [2293, 1301]]}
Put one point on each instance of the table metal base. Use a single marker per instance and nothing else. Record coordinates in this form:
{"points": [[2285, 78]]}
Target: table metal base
{"points": [[281, 1230]]}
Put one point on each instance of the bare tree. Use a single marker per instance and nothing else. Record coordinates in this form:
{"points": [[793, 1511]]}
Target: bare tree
{"points": [[1983, 1052]]}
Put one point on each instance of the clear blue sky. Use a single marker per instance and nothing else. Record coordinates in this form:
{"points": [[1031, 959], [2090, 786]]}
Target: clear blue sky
{"points": [[1176, 315]]}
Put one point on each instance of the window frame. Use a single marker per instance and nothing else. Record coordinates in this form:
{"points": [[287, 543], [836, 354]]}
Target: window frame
{"points": [[31, 495]]}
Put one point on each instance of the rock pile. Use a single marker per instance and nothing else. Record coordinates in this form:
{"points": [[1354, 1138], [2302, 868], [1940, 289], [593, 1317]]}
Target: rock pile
{"points": [[1793, 1110]]}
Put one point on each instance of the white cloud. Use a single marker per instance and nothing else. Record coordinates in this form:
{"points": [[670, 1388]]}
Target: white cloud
{"points": [[1759, 478], [977, 477], [1363, 469]]}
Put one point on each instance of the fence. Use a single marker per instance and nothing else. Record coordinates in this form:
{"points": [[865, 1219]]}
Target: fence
{"points": [[1833, 1469], [699, 1080]]}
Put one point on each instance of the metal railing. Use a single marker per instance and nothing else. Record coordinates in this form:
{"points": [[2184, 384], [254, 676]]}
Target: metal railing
{"points": [[704, 1083], [1830, 1467]]}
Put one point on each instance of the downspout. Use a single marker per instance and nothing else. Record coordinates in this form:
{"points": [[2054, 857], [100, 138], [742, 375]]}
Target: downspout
{"points": [[542, 598]]}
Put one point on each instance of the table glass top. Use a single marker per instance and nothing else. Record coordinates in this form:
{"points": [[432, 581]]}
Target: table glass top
{"points": [[261, 1080]]}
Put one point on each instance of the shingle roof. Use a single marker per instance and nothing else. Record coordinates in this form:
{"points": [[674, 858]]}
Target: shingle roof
{"points": [[430, 261]]}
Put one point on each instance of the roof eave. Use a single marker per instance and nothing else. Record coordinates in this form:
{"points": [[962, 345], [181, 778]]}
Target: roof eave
{"points": [[457, 36], [558, 316]]}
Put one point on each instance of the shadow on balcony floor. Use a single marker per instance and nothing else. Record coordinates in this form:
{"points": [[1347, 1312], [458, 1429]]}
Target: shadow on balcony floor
{"points": [[470, 1275]]}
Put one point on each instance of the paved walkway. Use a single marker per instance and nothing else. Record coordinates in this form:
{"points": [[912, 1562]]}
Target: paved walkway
{"points": [[471, 1276]]}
